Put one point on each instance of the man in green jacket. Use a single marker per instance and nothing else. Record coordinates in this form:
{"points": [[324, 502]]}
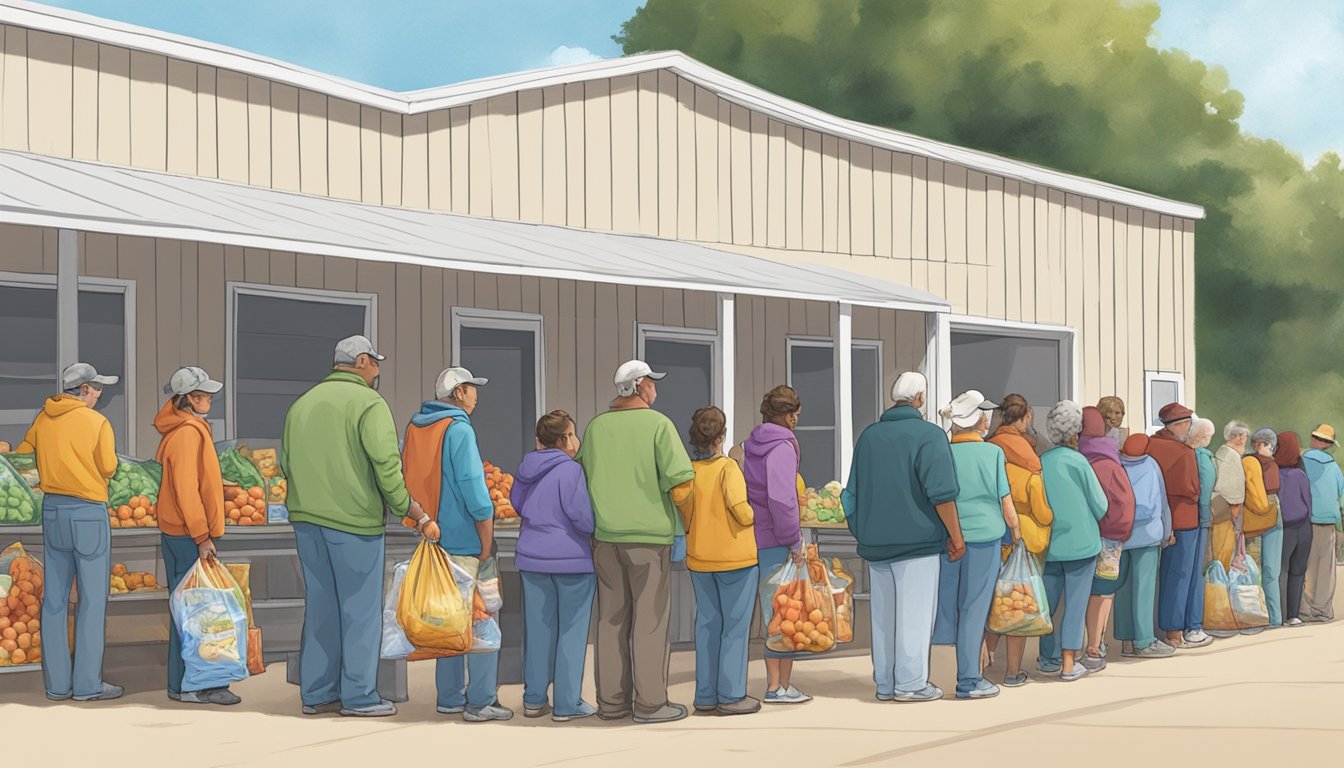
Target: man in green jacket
{"points": [[638, 473], [900, 504], [340, 455]]}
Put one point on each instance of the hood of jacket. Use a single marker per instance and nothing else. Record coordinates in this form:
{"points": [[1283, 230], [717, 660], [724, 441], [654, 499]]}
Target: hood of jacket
{"points": [[1289, 452], [1098, 448], [1094, 424], [538, 464], [768, 436], [1017, 448], [1318, 456], [170, 418], [435, 410], [1271, 473], [57, 406]]}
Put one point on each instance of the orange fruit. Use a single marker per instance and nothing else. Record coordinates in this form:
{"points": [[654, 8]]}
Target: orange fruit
{"points": [[800, 639], [782, 601], [247, 510], [124, 513], [823, 628], [808, 627], [259, 519], [37, 643], [245, 521], [25, 641], [17, 656], [34, 625], [9, 645], [13, 602], [138, 513], [150, 580], [19, 628], [4, 623], [114, 522], [787, 628], [256, 493], [815, 616]]}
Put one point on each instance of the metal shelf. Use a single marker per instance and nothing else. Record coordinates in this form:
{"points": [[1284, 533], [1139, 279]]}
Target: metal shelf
{"points": [[137, 596], [20, 668]]}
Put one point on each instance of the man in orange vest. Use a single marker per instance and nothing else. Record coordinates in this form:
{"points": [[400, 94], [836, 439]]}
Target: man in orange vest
{"points": [[443, 466]]}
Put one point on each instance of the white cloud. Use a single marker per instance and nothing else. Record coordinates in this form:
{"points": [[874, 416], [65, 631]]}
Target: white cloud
{"points": [[565, 56]]}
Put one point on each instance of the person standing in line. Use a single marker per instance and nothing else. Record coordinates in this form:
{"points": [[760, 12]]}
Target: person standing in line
{"points": [[721, 556], [1079, 501], [1229, 492], [1263, 520], [638, 476], [1016, 437], [986, 514], [771, 458], [1327, 498], [1295, 517], [191, 504], [76, 456], [1136, 598], [1113, 411], [1181, 560], [1115, 526], [1199, 437], [339, 452], [443, 466], [554, 557], [901, 507]]}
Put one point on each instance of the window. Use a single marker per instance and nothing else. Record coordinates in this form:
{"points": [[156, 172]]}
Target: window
{"points": [[1159, 390], [104, 333], [812, 374], [688, 358], [281, 343], [999, 362], [505, 348]]}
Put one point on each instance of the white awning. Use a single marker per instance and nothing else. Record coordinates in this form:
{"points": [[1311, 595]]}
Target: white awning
{"points": [[93, 197]]}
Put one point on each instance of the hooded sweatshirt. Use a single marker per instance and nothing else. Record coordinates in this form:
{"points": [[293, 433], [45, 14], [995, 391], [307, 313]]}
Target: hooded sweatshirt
{"points": [[76, 454], [191, 494], [1295, 488], [1260, 513], [718, 518], [1327, 486], [770, 463], [1079, 502], [551, 495], [1102, 454], [1180, 471], [1152, 514], [1024, 478], [464, 499]]}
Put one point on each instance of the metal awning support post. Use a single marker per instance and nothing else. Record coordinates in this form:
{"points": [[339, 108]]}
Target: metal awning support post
{"points": [[67, 298], [843, 333], [727, 362]]}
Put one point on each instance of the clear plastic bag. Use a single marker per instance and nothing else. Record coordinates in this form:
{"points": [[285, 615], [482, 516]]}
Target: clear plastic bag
{"points": [[803, 616], [479, 580], [842, 590], [1245, 593], [21, 605], [1020, 607], [1218, 613], [394, 644], [212, 624], [18, 506], [1108, 561]]}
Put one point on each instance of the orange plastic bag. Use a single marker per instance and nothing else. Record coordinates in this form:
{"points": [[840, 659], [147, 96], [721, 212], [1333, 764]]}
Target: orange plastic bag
{"points": [[432, 610], [21, 606], [256, 663]]}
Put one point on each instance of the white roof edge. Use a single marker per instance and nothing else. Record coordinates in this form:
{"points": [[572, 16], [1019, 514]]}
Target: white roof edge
{"points": [[60, 21]]}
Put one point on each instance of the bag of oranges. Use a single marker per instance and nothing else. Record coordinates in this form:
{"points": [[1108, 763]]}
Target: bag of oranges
{"points": [[802, 603], [432, 610], [20, 607], [1020, 607]]}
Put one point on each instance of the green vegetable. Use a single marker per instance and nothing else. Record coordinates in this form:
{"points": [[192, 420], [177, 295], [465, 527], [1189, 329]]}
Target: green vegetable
{"points": [[239, 470], [17, 504]]}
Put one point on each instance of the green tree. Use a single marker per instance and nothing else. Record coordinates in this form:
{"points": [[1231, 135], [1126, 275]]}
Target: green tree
{"points": [[1079, 87]]}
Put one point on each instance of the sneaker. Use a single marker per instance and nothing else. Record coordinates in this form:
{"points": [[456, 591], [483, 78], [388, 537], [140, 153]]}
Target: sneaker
{"points": [[706, 709], [747, 706], [1157, 650], [221, 696], [1078, 673], [584, 710], [930, 693], [983, 690], [383, 708], [1293, 622], [788, 695], [1016, 681], [1196, 639], [535, 712], [619, 714], [314, 709], [669, 713], [108, 693], [1093, 663], [796, 695], [66, 696], [487, 713], [885, 697], [442, 710], [1049, 667]]}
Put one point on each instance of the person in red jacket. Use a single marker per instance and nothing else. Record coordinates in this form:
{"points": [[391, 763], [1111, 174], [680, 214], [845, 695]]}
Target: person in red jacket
{"points": [[1102, 454], [1181, 560]]}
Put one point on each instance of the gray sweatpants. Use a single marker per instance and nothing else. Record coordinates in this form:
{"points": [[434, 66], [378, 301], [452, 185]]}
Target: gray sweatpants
{"points": [[1318, 592], [631, 652]]}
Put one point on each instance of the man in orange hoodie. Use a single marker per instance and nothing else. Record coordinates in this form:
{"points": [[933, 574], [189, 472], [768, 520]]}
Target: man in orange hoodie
{"points": [[191, 503], [75, 458]]}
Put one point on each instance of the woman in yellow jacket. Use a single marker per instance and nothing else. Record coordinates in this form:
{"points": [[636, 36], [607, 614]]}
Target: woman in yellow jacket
{"points": [[191, 502], [1015, 437], [721, 556]]}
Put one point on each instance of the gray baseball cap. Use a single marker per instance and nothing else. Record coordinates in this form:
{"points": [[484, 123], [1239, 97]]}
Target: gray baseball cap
{"points": [[190, 379], [350, 348], [452, 378], [79, 374]]}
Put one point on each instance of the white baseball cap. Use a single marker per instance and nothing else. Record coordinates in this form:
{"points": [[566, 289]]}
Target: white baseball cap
{"points": [[190, 379], [633, 371], [452, 378], [75, 376], [966, 409], [351, 347]]}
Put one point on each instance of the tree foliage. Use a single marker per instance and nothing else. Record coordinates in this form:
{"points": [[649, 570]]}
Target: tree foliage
{"points": [[1079, 87]]}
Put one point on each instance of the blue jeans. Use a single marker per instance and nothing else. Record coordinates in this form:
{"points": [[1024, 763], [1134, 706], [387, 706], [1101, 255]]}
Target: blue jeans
{"points": [[557, 609], [1194, 609], [77, 544], [1136, 599], [965, 587], [1271, 570], [904, 603], [1180, 566], [768, 561], [471, 680], [1071, 579], [180, 553], [723, 603], [342, 620]]}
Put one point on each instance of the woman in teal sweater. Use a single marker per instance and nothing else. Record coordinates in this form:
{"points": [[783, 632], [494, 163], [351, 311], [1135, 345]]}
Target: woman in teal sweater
{"points": [[1078, 500]]}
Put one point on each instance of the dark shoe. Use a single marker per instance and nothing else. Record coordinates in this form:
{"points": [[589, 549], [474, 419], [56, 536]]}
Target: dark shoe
{"points": [[54, 697], [383, 708], [487, 713], [619, 714], [747, 706], [108, 693], [442, 710], [706, 709], [221, 696], [331, 707], [669, 713], [534, 712], [171, 696]]}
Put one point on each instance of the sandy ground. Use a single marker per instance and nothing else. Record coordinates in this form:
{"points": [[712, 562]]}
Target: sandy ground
{"points": [[1243, 701]]}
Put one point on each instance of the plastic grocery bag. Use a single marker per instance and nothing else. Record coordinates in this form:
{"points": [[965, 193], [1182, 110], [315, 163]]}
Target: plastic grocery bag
{"points": [[1244, 591], [134, 479], [842, 590], [1020, 607], [18, 506], [1218, 613], [26, 465], [479, 580], [395, 645], [1108, 562], [803, 608], [212, 624], [432, 609], [21, 605]]}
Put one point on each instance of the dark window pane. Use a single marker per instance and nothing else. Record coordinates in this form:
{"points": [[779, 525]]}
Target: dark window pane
{"points": [[812, 371], [818, 450], [689, 385], [102, 344], [28, 370], [506, 416], [866, 385], [1160, 393]]}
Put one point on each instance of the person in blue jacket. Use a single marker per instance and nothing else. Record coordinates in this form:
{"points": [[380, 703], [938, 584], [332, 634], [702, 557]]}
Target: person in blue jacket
{"points": [[1136, 598], [1327, 497]]}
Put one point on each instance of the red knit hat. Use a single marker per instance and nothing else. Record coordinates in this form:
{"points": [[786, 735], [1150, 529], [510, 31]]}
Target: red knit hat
{"points": [[1174, 412], [1136, 445]]}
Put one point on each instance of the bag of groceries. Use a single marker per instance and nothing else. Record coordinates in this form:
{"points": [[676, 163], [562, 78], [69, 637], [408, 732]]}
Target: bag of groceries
{"points": [[802, 619], [1245, 593], [431, 608], [1108, 561], [842, 589], [256, 660], [394, 644], [208, 607], [1020, 607], [21, 589], [479, 580], [1218, 613]]}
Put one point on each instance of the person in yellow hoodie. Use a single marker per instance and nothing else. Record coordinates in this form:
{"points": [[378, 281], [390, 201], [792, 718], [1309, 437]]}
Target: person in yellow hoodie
{"points": [[721, 556], [76, 456], [191, 503]]}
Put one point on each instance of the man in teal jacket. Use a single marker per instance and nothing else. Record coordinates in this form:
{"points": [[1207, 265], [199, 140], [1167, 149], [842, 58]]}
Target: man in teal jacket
{"points": [[340, 455], [900, 504], [1327, 496]]}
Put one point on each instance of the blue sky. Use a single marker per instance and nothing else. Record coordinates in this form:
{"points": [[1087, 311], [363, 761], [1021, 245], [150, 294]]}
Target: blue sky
{"points": [[1286, 57]]}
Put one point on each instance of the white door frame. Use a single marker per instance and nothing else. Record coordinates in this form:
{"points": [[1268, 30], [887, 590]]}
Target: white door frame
{"points": [[1070, 376], [468, 317]]}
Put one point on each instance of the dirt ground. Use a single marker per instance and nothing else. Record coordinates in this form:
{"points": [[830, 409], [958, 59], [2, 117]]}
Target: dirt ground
{"points": [[1247, 700]]}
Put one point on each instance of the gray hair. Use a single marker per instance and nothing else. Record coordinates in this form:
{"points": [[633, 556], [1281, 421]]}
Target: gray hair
{"points": [[1234, 429], [629, 388], [1267, 436], [1201, 433], [1064, 421]]}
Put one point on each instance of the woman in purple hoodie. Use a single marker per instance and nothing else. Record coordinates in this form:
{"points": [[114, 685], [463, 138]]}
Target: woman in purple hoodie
{"points": [[555, 559], [1116, 526], [770, 462]]}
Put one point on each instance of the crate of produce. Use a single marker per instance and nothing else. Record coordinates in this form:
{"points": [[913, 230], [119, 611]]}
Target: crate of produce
{"points": [[18, 505]]}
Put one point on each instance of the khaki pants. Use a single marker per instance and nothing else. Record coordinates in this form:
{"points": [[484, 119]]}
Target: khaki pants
{"points": [[1318, 591], [1223, 541], [631, 652]]}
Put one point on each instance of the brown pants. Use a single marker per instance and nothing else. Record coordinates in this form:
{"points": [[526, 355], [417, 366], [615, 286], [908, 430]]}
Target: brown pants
{"points": [[1318, 591], [631, 652]]}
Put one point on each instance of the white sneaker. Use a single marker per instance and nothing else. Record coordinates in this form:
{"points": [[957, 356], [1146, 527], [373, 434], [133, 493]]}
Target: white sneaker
{"points": [[1196, 639], [1293, 622], [796, 696]]}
